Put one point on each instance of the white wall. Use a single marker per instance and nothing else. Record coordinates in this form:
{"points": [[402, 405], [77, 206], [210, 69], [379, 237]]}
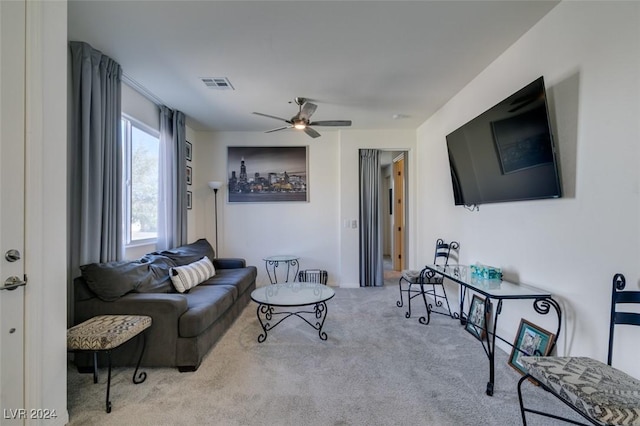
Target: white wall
{"points": [[589, 54], [256, 230], [139, 107], [310, 230]]}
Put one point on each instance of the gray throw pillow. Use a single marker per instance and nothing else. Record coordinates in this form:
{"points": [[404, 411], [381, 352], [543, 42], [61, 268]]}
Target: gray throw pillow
{"points": [[189, 253], [112, 280]]}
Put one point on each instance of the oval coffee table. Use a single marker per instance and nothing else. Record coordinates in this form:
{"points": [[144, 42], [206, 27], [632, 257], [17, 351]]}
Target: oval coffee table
{"points": [[292, 295]]}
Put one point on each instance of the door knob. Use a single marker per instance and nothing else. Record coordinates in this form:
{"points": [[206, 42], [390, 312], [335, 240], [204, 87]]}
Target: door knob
{"points": [[12, 283], [12, 255]]}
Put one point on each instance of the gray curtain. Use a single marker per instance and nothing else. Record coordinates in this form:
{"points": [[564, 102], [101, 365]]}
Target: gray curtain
{"points": [[95, 159], [172, 197], [371, 272]]}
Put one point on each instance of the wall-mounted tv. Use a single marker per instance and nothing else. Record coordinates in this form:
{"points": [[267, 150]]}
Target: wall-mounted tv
{"points": [[506, 153]]}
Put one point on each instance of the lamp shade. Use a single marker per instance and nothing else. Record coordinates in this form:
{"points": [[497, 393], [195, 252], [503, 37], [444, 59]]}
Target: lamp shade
{"points": [[215, 185]]}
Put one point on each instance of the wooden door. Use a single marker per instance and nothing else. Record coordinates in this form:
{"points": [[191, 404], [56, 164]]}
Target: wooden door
{"points": [[398, 214]]}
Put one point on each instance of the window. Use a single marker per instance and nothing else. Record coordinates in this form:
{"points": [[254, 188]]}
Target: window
{"points": [[141, 159]]}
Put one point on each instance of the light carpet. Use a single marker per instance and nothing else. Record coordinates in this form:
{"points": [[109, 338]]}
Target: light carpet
{"points": [[376, 368]]}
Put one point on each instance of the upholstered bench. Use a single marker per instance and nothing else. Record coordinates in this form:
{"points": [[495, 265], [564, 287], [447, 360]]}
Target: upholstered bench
{"points": [[599, 391], [104, 333]]}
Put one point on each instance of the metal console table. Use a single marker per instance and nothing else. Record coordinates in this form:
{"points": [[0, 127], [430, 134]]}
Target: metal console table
{"points": [[271, 264], [499, 291]]}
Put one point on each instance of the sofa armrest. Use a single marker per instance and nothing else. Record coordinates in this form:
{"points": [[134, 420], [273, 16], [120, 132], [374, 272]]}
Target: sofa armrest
{"points": [[162, 307], [229, 263]]}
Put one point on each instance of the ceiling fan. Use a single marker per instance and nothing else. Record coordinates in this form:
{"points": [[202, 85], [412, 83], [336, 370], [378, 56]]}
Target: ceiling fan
{"points": [[301, 120]]}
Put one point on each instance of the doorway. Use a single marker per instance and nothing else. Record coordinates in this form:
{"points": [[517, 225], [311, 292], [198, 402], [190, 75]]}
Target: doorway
{"points": [[393, 227]]}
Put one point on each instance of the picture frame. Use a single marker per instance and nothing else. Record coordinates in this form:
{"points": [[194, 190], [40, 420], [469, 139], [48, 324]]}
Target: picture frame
{"points": [[189, 173], [267, 174], [188, 151], [530, 340], [189, 200], [477, 318]]}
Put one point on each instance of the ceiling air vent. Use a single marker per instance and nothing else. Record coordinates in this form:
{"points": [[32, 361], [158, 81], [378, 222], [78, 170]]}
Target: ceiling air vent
{"points": [[218, 83]]}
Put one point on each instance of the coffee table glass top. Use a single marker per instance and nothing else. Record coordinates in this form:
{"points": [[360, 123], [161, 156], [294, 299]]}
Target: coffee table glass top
{"points": [[292, 294]]}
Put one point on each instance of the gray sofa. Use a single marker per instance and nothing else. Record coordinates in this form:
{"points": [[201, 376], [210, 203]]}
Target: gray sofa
{"points": [[185, 325]]}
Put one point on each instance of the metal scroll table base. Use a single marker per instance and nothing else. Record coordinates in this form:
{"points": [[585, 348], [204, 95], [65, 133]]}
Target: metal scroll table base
{"points": [[267, 313]]}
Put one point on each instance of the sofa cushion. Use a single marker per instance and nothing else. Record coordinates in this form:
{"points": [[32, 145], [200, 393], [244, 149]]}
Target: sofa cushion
{"points": [[159, 280], [112, 280], [189, 253], [206, 304], [188, 276], [241, 279]]}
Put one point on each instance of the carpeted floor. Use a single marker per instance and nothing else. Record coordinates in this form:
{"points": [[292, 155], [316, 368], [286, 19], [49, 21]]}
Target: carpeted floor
{"points": [[376, 368]]}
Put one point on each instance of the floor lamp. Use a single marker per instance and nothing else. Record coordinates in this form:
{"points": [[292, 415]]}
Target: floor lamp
{"points": [[215, 185]]}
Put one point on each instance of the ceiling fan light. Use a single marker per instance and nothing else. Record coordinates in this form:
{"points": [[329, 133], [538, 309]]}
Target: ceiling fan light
{"points": [[300, 125]]}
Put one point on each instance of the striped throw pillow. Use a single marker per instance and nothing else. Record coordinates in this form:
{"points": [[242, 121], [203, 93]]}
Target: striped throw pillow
{"points": [[188, 276]]}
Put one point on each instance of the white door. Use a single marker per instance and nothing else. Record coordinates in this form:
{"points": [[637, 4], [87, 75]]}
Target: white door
{"points": [[12, 144]]}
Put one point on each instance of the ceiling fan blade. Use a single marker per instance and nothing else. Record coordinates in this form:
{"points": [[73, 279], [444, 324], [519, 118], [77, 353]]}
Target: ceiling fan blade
{"points": [[308, 130], [279, 128], [272, 116], [331, 123], [307, 110]]}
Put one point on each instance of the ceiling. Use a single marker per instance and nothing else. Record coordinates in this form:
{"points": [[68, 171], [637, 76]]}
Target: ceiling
{"points": [[381, 64]]}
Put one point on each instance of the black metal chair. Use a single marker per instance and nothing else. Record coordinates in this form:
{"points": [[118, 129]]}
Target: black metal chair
{"points": [[313, 276], [423, 283], [595, 390]]}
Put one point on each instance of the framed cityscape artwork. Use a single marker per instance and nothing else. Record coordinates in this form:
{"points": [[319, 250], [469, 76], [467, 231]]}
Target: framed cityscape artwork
{"points": [[259, 174]]}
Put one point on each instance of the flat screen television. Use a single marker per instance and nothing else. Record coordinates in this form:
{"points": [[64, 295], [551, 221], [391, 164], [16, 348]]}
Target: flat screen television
{"points": [[506, 153]]}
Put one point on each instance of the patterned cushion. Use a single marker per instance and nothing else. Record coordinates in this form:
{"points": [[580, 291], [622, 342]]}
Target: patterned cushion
{"points": [[105, 332], [188, 276], [598, 390], [414, 277]]}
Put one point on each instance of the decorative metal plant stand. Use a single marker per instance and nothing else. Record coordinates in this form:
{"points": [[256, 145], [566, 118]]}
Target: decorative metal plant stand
{"points": [[276, 303], [272, 263]]}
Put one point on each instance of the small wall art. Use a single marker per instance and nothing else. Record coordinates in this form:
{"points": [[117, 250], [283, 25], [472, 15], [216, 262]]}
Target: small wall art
{"points": [[188, 151]]}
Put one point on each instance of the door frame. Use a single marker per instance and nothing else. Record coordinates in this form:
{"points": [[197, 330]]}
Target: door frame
{"points": [[399, 256]]}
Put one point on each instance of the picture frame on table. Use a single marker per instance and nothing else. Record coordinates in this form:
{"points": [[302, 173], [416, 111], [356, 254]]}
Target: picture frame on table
{"points": [[531, 340], [188, 151], [477, 318], [189, 200], [189, 173]]}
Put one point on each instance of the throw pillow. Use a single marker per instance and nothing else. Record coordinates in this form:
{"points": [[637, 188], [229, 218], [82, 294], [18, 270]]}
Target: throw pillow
{"points": [[189, 253], [188, 276], [112, 280]]}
